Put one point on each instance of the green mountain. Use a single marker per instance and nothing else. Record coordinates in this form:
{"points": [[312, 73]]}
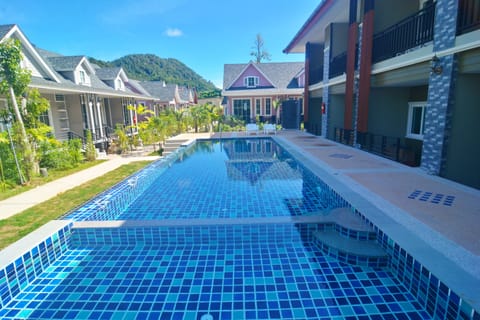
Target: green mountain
{"points": [[150, 67]]}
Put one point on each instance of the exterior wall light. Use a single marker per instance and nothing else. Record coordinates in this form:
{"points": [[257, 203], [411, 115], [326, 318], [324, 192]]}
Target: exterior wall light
{"points": [[435, 65]]}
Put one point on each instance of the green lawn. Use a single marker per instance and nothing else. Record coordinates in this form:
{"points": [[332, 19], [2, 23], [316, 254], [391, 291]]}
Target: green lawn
{"points": [[52, 175], [19, 225]]}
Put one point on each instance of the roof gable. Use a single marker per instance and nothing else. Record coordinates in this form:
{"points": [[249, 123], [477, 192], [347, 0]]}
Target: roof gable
{"points": [[279, 75], [71, 63], [251, 70], [32, 60]]}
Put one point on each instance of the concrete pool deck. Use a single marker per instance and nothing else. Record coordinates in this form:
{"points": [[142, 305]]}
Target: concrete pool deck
{"points": [[434, 219]]}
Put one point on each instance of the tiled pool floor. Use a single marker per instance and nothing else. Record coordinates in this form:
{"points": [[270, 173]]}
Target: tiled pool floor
{"points": [[240, 279]]}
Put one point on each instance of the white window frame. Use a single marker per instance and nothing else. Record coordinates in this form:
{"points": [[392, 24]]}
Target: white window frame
{"points": [[258, 106], [83, 77], [251, 81], [268, 106], [411, 107]]}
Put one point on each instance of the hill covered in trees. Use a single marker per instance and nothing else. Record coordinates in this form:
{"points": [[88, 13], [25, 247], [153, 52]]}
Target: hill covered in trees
{"points": [[149, 67]]}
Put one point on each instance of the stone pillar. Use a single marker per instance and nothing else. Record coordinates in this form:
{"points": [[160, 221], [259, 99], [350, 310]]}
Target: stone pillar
{"points": [[326, 90], [441, 89]]}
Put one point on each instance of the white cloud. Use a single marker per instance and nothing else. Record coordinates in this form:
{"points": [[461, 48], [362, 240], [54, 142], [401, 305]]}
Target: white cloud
{"points": [[174, 32]]}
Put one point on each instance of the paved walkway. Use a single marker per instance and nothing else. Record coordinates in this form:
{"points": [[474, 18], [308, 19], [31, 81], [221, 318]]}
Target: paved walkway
{"points": [[28, 199]]}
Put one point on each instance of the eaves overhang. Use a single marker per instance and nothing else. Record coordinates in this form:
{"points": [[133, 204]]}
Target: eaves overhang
{"points": [[263, 92], [313, 30]]}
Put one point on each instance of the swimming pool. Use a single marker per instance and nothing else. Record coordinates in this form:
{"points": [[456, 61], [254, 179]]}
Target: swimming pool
{"points": [[244, 178], [186, 262]]}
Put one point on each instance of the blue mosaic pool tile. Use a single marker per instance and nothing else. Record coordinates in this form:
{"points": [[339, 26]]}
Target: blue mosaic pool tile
{"points": [[232, 182], [431, 293], [19, 274], [66, 283], [230, 272]]}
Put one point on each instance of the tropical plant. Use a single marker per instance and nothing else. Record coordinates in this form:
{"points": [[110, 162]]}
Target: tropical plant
{"points": [[90, 152], [122, 138], [276, 106], [14, 82]]}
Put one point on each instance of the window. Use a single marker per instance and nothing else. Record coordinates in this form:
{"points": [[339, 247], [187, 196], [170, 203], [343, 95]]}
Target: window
{"points": [[250, 81], [82, 77], [257, 106], [416, 120], [268, 106], [44, 118], [59, 98], [119, 84], [241, 109]]}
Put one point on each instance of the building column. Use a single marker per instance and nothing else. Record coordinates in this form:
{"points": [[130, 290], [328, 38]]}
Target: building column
{"points": [[350, 69], [326, 91], [440, 89], [306, 94], [99, 113], [365, 66], [91, 118]]}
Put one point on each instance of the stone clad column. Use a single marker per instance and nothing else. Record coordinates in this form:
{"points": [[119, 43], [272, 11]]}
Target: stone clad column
{"points": [[440, 89]]}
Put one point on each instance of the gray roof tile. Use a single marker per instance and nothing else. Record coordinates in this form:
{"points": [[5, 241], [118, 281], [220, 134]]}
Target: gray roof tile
{"points": [[4, 29], [282, 74], [108, 73]]}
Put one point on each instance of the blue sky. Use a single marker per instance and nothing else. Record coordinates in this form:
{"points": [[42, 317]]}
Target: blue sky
{"points": [[203, 34]]}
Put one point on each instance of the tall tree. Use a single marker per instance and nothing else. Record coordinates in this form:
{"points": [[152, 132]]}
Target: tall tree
{"points": [[14, 82], [258, 50]]}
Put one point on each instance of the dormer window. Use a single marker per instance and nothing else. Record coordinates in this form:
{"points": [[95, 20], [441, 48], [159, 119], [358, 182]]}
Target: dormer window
{"points": [[119, 84], [82, 77], [251, 82]]}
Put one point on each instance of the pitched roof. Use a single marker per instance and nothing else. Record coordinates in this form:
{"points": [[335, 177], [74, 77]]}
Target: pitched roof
{"points": [[135, 86], [281, 74], [160, 89], [108, 73], [5, 29], [65, 63]]}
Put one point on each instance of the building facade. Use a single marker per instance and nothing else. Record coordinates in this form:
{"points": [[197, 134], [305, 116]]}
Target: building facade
{"points": [[397, 78], [253, 91]]}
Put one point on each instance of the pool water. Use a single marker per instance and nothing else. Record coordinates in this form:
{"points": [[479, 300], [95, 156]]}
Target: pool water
{"points": [[219, 269], [244, 178], [228, 272]]}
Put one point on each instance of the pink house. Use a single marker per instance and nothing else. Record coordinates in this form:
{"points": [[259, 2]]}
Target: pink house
{"points": [[251, 90]]}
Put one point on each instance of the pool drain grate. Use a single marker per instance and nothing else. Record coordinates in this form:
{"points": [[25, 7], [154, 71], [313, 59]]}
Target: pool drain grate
{"points": [[437, 198]]}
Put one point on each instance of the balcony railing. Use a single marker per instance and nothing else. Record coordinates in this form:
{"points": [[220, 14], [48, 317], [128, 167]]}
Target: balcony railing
{"points": [[316, 75], [338, 65], [392, 148], [409, 33], [468, 16]]}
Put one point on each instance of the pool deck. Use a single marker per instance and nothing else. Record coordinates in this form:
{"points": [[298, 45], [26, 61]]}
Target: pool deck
{"points": [[434, 219]]}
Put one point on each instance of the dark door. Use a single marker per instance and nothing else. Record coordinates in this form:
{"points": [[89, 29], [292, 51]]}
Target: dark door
{"points": [[291, 114]]}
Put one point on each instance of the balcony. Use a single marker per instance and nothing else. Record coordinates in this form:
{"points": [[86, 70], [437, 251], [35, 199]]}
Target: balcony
{"points": [[316, 75], [468, 16], [409, 33], [338, 65]]}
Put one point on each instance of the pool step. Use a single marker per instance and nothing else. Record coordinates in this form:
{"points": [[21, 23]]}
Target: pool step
{"points": [[366, 253], [172, 145], [351, 240]]}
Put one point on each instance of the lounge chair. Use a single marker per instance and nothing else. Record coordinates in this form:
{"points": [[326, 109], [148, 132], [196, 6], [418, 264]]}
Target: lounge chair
{"points": [[269, 128], [251, 128]]}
